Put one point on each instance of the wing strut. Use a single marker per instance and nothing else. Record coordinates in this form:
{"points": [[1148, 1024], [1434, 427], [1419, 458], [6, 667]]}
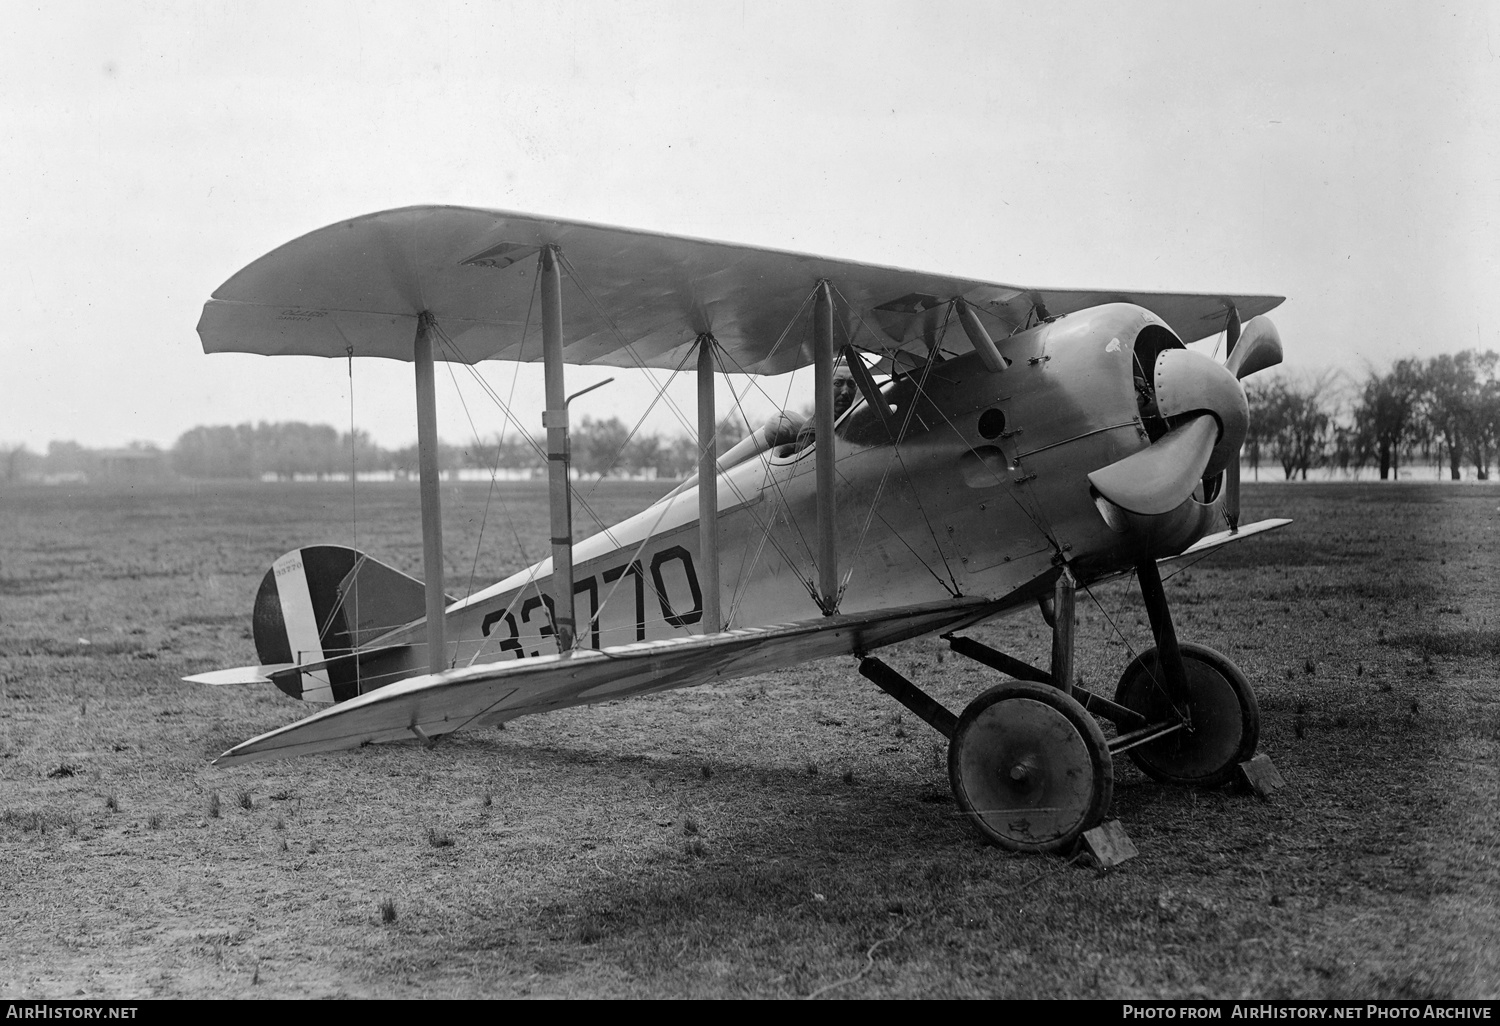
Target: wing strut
{"points": [[828, 555], [555, 420], [708, 486], [432, 509]]}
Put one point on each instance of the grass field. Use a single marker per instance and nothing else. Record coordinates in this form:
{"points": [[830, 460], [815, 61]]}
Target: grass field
{"points": [[789, 835]]}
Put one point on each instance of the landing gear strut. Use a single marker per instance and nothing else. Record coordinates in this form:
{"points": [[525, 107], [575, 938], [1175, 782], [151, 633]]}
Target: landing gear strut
{"points": [[1194, 685]]}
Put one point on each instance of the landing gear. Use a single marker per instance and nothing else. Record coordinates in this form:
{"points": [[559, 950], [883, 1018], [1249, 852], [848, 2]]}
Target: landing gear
{"points": [[1028, 763], [1030, 767], [1222, 721]]}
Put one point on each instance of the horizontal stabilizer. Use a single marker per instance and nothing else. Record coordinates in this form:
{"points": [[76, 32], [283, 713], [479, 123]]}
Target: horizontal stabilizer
{"points": [[427, 706], [240, 674]]}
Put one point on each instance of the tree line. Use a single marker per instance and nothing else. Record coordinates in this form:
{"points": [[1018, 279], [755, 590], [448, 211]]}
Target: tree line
{"points": [[292, 450], [1443, 411]]}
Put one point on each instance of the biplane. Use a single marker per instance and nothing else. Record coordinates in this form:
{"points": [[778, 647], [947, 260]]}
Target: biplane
{"points": [[1004, 446]]}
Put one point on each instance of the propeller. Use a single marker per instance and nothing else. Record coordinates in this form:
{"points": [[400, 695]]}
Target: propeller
{"points": [[1205, 404], [1161, 476], [1209, 416], [1259, 347]]}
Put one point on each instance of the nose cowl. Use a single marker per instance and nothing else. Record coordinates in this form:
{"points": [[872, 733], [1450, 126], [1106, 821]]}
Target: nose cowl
{"points": [[1209, 415]]}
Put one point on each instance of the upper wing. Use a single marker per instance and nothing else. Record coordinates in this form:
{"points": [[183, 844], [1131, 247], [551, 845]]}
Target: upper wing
{"points": [[424, 707], [356, 287]]}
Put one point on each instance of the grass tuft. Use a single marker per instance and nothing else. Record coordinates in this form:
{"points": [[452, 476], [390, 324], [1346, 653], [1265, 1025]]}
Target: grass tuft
{"points": [[65, 769], [707, 771], [244, 801], [812, 768], [213, 806], [439, 838], [154, 821], [112, 803], [387, 911]]}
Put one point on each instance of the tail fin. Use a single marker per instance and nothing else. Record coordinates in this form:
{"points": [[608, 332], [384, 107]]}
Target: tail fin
{"points": [[324, 601]]}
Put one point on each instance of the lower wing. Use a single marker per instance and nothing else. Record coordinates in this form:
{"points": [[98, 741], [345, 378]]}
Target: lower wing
{"points": [[425, 707]]}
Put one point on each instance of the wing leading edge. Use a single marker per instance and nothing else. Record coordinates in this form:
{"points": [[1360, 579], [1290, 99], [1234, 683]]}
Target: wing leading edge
{"points": [[425, 707]]}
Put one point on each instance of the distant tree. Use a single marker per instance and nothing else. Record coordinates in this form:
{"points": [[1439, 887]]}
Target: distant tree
{"points": [[1386, 412], [1448, 381], [14, 458], [1479, 411], [1293, 419], [599, 444], [357, 451], [407, 461], [283, 449], [644, 452]]}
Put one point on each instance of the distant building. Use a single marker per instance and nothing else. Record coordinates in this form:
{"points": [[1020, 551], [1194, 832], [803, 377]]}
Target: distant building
{"points": [[127, 466]]}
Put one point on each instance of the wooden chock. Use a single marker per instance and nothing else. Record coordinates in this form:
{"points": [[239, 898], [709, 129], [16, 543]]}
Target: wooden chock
{"points": [[1109, 844], [1260, 774]]}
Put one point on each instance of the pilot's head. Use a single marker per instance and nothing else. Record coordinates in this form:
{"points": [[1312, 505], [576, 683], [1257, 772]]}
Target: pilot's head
{"points": [[843, 388]]}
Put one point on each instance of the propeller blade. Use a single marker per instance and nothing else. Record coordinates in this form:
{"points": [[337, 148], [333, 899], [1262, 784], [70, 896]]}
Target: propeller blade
{"points": [[1160, 478], [1259, 347], [1231, 330]]}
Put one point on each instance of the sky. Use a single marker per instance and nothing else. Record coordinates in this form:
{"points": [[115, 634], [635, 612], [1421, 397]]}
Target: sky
{"points": [[1343, 154]]}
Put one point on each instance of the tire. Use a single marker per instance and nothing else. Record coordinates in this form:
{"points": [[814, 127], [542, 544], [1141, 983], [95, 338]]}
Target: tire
{"points": [[1030, 768], [1225, 720]]}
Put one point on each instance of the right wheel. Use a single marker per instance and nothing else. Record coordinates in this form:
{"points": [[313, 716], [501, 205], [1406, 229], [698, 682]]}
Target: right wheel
{"points": [[1030, 767], [1225, 721]]}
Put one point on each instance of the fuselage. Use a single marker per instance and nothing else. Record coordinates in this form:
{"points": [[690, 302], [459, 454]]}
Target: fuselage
{"points": [[982, 493]]}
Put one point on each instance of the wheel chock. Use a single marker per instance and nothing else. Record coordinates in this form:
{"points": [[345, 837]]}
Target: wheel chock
{"points": [[1261, 776], [1109, 844]]}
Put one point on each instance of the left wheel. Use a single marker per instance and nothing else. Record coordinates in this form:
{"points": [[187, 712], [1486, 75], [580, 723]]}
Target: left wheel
{"points": [[1030, 768]]}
